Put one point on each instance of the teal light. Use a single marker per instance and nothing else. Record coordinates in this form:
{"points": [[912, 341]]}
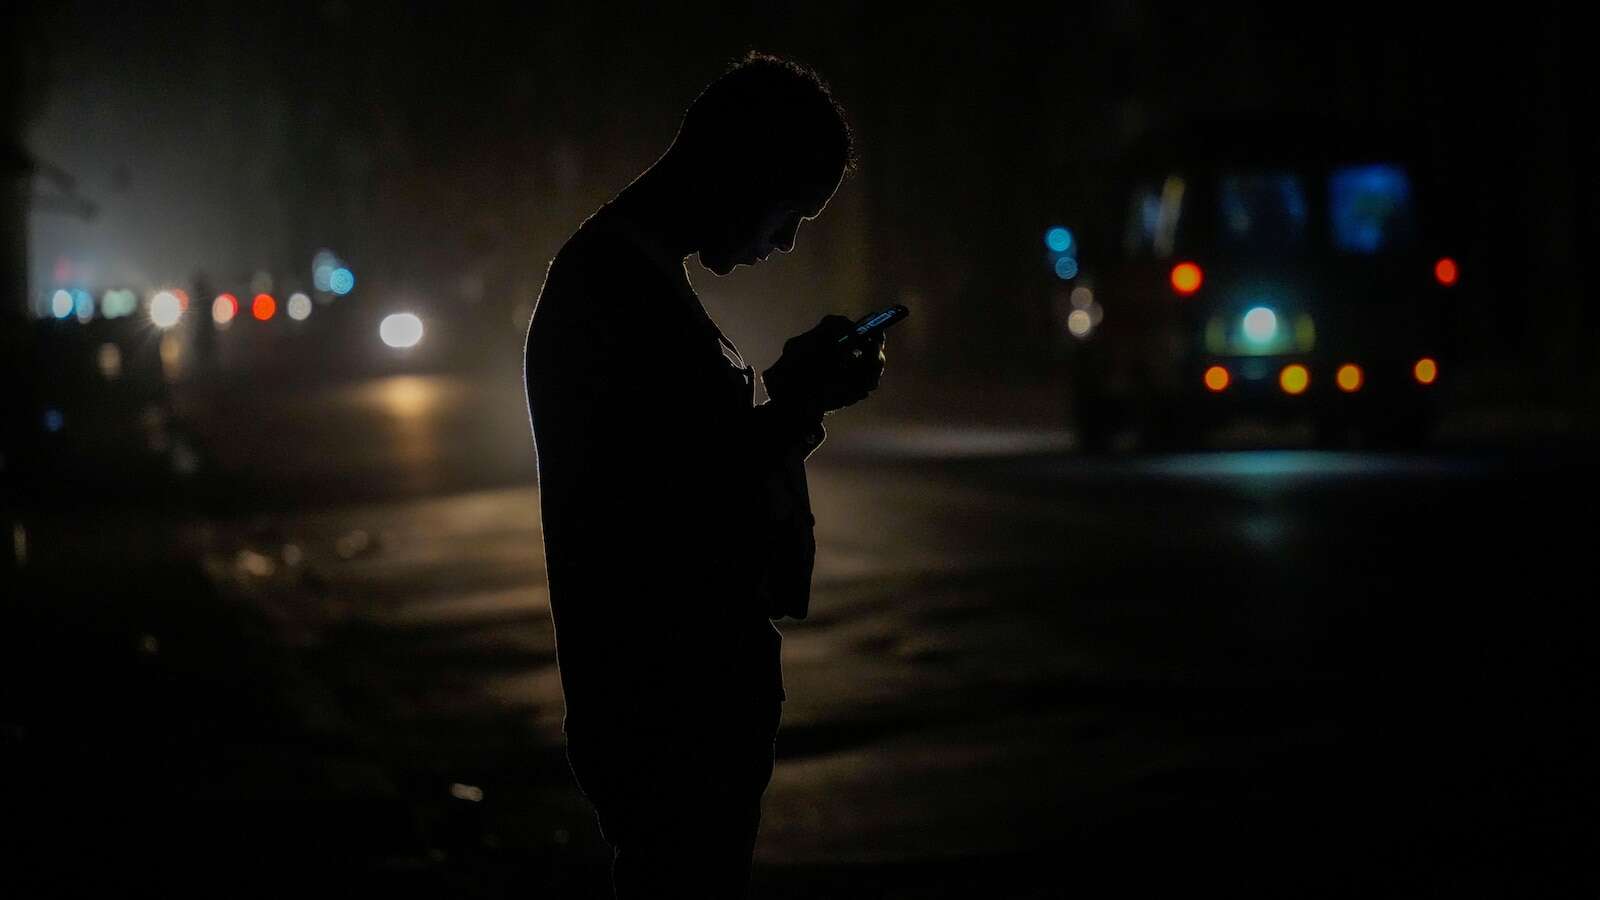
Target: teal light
{"points": [[1260, 325], [1066, 268], [342, 281], [1058, 239]]}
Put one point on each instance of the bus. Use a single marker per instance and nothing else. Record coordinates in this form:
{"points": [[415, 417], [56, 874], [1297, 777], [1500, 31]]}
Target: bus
{"points": [[1265, 271]]}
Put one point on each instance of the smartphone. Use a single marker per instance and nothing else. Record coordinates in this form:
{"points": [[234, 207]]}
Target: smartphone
{"points": [[866, 328]]}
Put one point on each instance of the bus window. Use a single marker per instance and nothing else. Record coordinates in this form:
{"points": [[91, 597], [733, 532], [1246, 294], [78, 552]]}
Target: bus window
{"points": [[1154, 212], [1262, 210], [1370, 208]]}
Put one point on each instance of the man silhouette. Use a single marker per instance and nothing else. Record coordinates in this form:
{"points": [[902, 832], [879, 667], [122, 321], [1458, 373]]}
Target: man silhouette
{"points": [[675, 516]]}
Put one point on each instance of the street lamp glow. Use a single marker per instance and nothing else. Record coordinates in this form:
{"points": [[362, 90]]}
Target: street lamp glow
{"points": [[165, 310], [401, 330], [1260, 324], [1080, 323]]}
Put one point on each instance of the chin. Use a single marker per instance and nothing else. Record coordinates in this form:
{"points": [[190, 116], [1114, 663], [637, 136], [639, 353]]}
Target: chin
{"points": [[717, 266]]}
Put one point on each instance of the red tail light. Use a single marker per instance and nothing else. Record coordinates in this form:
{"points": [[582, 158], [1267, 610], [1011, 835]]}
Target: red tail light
{"points": [[1445, 271]]}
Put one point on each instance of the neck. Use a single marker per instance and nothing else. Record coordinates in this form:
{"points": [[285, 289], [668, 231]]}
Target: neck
{"points": [[657, 201]]}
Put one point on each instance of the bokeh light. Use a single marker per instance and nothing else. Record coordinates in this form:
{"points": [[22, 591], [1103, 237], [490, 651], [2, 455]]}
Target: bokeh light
{"points": [[1081, 297], [109, 360], [1058, 239], [1349, 378], [1294, 379], [224, 308], [61, 304], [1066, 268], [263, 307], [400, 330], [165, 309], [299, 307], [1446, 272], [114, 305], [1217, 379], [1080, 323], [1260, 324], [1186, 278], [1426, 371], [322, 266], [342, 281]]}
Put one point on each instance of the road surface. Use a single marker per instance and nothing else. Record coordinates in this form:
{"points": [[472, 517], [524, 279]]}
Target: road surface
{"points": [[1026, 672]]}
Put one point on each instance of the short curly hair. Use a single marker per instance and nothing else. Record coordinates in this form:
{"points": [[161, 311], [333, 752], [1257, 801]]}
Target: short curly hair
{"points": [[766, 113]]}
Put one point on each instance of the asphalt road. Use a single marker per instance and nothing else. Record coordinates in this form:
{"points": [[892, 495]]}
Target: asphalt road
{"points": [[1026, 672]]}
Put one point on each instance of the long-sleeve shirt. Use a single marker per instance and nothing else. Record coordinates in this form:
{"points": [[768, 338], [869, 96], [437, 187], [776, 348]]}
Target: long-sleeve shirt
{"points": [[654, 480]]}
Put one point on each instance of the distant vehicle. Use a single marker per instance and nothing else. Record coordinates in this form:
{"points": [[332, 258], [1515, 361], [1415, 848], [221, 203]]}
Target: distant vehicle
{"points": [[1269, 270]]}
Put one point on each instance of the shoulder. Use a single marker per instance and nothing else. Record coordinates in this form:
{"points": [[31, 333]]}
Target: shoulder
{"points": [[598, 253], [597, 274], [601, 292]]}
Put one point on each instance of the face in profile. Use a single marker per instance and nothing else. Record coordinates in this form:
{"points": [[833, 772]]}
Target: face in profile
{"points": [[753, 233]]}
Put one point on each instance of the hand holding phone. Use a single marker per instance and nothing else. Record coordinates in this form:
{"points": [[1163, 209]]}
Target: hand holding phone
{"points": [[830, 366]]}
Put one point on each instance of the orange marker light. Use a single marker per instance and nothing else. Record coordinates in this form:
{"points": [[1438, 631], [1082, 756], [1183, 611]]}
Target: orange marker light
{"points": [[1186, 278], [1446, 271], [263, 306], [1426, 371], [1349, 378], [1294, 379], [1217, 379]]}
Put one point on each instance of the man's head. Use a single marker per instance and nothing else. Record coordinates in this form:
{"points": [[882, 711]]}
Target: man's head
{"points": [[767, 146]]}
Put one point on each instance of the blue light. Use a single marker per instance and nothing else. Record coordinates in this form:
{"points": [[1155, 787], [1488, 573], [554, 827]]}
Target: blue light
{"points": [[1058, 239], [342, 281], [61, 304], [1260, 325], [1066, 268], [53, 420], [1370, 208], [83, 306]]}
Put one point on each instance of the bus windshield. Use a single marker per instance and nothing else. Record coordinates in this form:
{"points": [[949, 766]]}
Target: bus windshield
{"points": [[1262, 211], [1370, 209]]}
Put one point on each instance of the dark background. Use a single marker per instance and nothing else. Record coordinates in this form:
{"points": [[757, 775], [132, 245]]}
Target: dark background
{"points": [[447, 151]]}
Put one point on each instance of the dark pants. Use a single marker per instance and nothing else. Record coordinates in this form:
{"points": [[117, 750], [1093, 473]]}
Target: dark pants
{"points": [[679, 806]]}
